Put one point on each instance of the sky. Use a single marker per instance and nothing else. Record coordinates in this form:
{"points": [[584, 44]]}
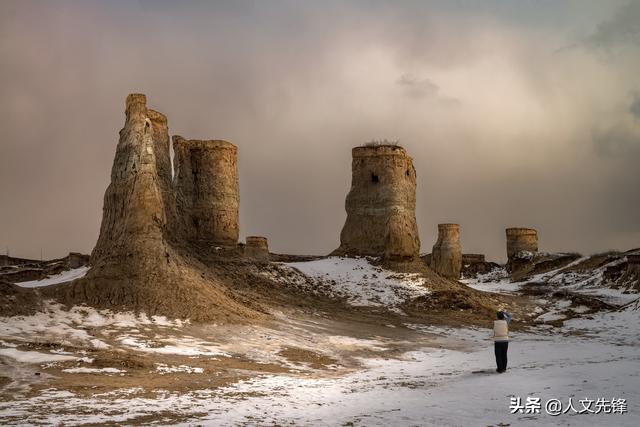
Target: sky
{"points": [[516, 113]]}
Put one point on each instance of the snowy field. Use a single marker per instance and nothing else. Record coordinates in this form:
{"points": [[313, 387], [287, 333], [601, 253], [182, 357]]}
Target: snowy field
{"points": [[444, 387], [423, 387], [435, 376]]}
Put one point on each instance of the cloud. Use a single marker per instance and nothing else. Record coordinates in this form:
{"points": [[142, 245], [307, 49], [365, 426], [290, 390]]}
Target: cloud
{"points": [[418, 88], [618, 135], [297, 84], [620, 140], [634, 108], [623, 29], [423, 88]]}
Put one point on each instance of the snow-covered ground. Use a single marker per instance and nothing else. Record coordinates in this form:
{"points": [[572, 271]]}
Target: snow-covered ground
{"points": [[65, 276], [448, 381], [425, 387], [446, 387]]}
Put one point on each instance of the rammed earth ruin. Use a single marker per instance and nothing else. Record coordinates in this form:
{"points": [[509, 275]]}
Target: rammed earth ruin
{"points": [[381, 205], [152, 213], [168, 241]]}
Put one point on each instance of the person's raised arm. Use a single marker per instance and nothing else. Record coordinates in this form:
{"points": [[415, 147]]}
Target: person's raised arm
{"points": [[507, 317]]}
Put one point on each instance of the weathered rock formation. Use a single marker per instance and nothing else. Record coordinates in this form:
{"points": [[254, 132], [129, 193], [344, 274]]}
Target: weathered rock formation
{"points": [[207, 190], [134, 203], [381, 204], [446, 257], [257, 248], [141, 260]]}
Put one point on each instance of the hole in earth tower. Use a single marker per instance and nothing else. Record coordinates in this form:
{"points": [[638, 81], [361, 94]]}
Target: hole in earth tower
{"points": [[374, 178]]}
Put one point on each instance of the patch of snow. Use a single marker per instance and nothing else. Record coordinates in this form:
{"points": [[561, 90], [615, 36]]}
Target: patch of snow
{"points": [[551, 316], [98, 344], [33, 356], [83, 370], [166, 369], [615, 327], [360, 282], [183, 347], [497, 281], [65, 276], [60, 351], [350, 342], [580, 309], [71, 327]]}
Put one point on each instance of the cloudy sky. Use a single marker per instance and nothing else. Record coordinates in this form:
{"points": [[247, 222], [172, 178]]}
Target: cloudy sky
{"points": [[516, 113]]}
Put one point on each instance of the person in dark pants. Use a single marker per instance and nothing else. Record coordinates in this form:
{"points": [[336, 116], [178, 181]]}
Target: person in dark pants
{"points": [[501, 339]]}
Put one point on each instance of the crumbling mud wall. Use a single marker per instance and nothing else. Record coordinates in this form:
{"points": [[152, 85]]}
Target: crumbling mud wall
{"points": [[472, 258], [446, 257], [381, 204], [474, 264], [257, 248], [6, 260], [76, 260], [207, 190], [140, 261]]}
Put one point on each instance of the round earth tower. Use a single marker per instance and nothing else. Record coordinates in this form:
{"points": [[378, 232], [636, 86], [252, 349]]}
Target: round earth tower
{"points": [[446, 257], [257, 248], [207, 189], [521, 240], [381, 205]]}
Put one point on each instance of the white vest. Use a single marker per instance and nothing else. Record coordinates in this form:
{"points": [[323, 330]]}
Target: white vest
{"points": [[500, 330]]}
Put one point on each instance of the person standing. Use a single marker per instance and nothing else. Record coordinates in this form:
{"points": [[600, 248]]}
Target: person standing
{"points": [[501, 339]]}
